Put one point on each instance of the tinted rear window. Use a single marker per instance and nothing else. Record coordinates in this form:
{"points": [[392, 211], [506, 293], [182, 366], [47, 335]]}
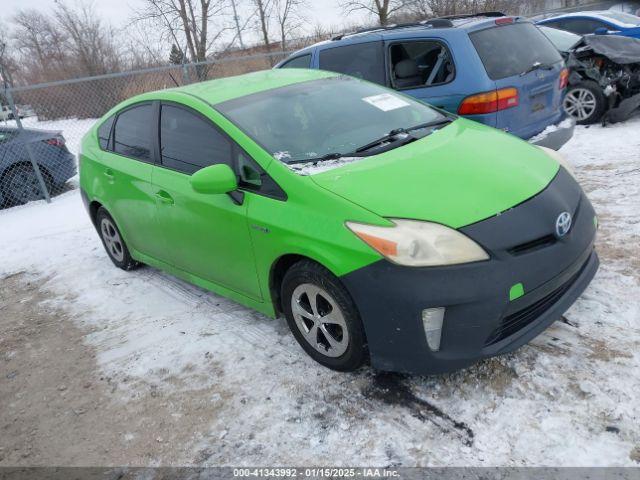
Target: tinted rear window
{"points": [[362, 60], [511, 49]]}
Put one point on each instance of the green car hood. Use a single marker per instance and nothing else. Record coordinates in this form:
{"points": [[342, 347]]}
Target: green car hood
{"points": [[458, 175]]}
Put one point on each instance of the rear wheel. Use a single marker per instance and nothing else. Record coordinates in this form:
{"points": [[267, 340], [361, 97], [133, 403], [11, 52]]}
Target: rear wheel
{"points": [[323, 317], [20, 185], [585, 102], [113, 242]]}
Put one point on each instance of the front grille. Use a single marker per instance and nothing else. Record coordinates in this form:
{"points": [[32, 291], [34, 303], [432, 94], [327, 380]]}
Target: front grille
{"points": [[514, 322]]}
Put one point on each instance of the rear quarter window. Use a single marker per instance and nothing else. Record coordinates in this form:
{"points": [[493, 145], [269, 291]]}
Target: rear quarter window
{"points": [[104, 133], [509, 50], [303, 61]]}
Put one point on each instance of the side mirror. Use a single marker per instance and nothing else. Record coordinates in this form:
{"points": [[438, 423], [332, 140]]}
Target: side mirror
{"points": [[215, 179], [601, 31]]}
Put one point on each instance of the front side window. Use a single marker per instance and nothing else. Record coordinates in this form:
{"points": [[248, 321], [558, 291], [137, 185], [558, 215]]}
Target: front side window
{"points": [[420, 64], [303, 61], [104, 133], [189, 143], [336, 115], [132, 133], [509, 50], [362, 60]]}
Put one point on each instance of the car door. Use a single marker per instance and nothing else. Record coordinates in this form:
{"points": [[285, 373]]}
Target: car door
{"points": [[123, 171], [434, 71], [205, 235]]}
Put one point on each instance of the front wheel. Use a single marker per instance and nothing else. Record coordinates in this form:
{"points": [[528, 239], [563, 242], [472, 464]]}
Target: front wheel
{"points": [[323, 317], [585, 102]]}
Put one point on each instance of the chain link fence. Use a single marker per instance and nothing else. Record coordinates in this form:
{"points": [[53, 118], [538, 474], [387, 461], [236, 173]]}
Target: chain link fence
{"points": [[41, 126]]}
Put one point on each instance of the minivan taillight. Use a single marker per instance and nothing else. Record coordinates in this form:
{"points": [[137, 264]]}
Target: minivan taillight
{"points": [[489, 102], [564, 78]]}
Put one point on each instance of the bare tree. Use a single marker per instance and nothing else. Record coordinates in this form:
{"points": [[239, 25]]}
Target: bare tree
{"points": [[40, 46], [7, 62], [191, 20], [71, 42], [264, 9], [88, 39], [382, 9], [289, 17]]}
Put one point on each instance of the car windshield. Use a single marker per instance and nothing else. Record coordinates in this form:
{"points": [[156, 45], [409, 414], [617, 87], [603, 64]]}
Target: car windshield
{"points": [[332, 116], [623, 17], [562, 40]]}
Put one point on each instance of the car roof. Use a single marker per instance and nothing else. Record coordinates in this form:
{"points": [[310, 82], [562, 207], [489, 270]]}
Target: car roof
{"points": [[597, 14], [458, 26], [228, 88]]}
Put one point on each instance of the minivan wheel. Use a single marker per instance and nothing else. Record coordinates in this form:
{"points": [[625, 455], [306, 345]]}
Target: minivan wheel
{"points": [[113, 242], [585, 102], [323, 317]]}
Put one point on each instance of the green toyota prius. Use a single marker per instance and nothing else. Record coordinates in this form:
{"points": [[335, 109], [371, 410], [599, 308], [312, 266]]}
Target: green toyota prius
{"points": [[384, 230]]}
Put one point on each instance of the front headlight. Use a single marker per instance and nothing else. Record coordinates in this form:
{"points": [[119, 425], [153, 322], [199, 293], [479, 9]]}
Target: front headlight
{"points": [[560, 159], [419, 244]]}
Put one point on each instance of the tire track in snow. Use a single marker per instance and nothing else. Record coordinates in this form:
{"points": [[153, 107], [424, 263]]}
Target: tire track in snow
{"points": [[388, 388]]}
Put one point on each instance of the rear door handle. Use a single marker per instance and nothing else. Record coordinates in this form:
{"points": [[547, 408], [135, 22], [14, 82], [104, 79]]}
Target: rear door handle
{"points": [[109, 174], [164, 197]]}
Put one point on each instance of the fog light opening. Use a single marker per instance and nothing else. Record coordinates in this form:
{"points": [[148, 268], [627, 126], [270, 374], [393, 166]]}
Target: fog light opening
{"points": [[432, 321]]}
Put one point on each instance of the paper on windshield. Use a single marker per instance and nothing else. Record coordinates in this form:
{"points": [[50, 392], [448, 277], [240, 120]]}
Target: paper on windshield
{"points": [[386, 101]]}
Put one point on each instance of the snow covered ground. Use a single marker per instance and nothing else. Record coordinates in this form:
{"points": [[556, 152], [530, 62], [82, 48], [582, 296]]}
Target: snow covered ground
{"points": [[571, 397]]}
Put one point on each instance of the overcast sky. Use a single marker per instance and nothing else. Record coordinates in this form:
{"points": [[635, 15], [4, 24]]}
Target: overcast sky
{"points": [[326, 12]]}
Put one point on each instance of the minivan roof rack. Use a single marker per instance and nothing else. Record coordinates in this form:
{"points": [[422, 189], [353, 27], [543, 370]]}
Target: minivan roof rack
{"points": [[433, 23], [471, 15]]}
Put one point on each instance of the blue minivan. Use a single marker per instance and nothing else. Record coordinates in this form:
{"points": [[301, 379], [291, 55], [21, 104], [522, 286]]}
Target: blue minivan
{"points": [[498, 70]]}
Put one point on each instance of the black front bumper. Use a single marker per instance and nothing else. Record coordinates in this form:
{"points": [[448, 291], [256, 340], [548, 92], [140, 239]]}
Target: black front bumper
{"points": [[480, 319]]}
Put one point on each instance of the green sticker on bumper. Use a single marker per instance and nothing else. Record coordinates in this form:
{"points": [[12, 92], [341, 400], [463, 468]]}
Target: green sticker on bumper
{"points": [[516, 291]]}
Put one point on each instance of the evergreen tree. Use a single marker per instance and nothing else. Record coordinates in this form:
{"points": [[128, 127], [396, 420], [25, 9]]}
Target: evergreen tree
{"points": [[176, 56]]}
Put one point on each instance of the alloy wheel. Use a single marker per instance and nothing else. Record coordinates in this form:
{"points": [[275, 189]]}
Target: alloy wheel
{"points": [[112, 239], [320, 320], [580, 103]]}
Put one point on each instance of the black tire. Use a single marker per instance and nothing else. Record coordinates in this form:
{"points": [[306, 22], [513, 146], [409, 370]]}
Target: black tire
{"points": [[307, 273], [20, 184], [597, 95], [113, 242]]}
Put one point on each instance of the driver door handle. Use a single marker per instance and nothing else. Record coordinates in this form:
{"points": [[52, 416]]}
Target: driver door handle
{"points": [[164, 197]]}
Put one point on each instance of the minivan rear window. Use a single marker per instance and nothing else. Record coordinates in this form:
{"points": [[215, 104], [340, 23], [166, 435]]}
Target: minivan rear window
{"points": [[509, 50]]}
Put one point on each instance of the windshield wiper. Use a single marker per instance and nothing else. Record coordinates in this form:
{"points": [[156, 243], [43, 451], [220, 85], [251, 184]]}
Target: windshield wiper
{"points": [[537, 66], [390, 137], [328, 156], [396, 132]]}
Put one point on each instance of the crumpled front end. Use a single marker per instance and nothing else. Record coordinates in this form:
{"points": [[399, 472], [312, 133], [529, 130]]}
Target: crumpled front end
{"points": [[613, 62]]}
